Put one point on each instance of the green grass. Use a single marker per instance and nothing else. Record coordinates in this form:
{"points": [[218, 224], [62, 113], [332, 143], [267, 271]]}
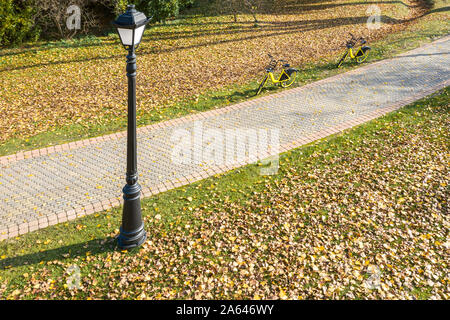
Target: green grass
{"points": [[90, 239], [421, 293], [422, 31]]}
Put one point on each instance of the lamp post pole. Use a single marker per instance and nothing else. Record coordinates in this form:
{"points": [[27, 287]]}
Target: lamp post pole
{"points": [[130, 26], [132, 233]]}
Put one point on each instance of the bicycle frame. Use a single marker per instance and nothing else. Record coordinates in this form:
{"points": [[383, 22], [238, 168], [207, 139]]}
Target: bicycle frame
{"points": [[286, 77], [359, 54], [272, 77], [353, 56]]}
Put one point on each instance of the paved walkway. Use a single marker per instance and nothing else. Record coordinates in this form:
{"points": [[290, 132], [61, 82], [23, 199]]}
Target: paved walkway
{"points": [[52, 185]]}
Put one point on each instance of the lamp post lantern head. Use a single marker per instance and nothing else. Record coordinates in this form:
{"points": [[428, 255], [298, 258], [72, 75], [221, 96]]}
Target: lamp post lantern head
{"points": [[130, 26]]}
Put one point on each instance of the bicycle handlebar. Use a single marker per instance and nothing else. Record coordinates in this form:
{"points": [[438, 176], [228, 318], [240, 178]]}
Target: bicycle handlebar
{"points": [[274, 60], [354, 40], [274, 63]]}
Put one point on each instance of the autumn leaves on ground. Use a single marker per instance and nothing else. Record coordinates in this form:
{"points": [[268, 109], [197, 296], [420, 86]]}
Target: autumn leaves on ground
{"points": [[50, 86], [372, 202]]}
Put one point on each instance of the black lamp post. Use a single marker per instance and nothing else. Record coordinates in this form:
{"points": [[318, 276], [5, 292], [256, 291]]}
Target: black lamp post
{"points": [[130, 27]]}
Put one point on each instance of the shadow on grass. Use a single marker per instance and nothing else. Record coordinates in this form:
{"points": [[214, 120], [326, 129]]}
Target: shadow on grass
{"points": [[96, 246], [443, 9], [316, 24], [267, 29], [267, 26], [295, 7], [302, 7], [271, 31]]}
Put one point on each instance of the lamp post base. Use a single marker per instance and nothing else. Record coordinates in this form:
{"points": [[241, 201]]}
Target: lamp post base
{"points": [[129, 240], [132, 233]]}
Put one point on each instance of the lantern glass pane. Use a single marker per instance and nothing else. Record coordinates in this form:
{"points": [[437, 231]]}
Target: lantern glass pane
{"points": [[126, 36], [138, 34]]}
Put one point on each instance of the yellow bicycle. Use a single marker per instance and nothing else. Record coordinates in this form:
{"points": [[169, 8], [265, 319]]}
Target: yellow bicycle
{"points": [[287, 76], [361, 54]]}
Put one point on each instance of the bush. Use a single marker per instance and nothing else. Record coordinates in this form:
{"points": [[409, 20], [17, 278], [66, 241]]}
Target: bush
{"points": [[120, 6], [16, 22], [23, 20], [53, 16], [159, 10], [183, 4]]}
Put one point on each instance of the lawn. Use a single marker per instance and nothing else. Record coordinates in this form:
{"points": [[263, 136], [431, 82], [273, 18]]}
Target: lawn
{"points": [[63, 91], [372, 200]]}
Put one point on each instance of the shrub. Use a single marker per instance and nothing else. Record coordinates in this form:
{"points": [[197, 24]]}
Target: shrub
{"points": [[120, 6], [159, 10], [52, 16], [22, 20], [183, 4], [16, 22]]}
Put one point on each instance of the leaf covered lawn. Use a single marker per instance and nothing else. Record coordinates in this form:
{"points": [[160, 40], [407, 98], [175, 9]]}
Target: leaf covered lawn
{"points": [[49, 86], [374, 198]]}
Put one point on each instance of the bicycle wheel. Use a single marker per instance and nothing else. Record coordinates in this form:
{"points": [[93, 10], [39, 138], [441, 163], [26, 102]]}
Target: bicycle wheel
{"points": [[361, 58], [339, 64], [262, 85], [288, 82]]}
